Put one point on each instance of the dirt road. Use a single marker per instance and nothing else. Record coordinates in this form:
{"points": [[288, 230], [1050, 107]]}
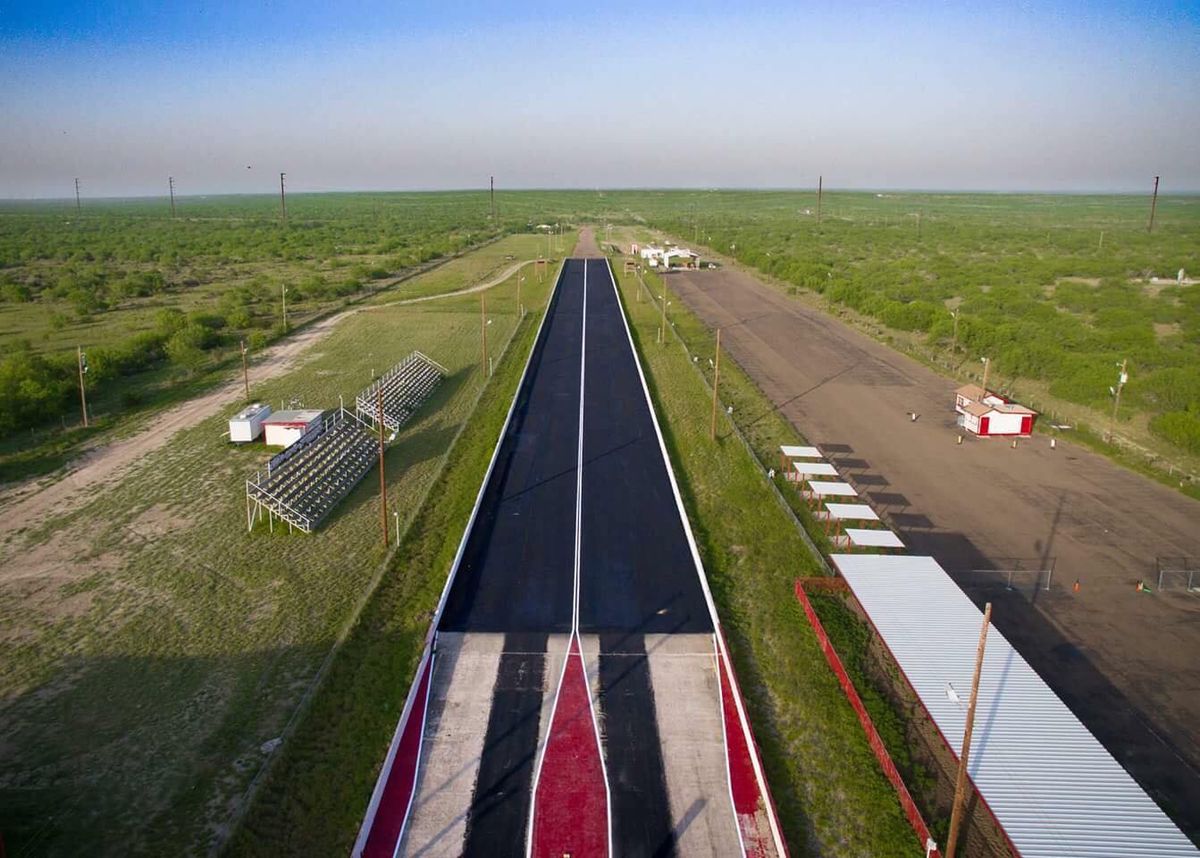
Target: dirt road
{"points": [[1125, 662], [28, 503]]}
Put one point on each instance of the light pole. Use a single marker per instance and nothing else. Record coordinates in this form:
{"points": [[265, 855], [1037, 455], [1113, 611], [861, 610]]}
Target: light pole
{"points": [[283, 298], [1122, 379], [520, 306], [81, 358]]}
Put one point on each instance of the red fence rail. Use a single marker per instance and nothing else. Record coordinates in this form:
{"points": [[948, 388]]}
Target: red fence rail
{"points": [[885, 759]]}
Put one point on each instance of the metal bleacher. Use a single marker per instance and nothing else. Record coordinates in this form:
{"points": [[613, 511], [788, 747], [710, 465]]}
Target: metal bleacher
{"points": [[306, 481], [404, 387], [305, 488]]}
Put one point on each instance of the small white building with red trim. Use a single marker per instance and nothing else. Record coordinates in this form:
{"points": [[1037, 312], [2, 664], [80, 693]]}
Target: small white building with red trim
{"points": [[985, 413], [285, 428]]}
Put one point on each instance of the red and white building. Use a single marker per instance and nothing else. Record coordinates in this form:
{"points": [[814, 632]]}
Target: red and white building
{"points": [[985, 413], [285, 428]]}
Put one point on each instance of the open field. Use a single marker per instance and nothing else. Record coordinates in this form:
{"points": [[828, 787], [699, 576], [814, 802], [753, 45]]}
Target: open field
{"points": [[1120, 659], [152, 646]]}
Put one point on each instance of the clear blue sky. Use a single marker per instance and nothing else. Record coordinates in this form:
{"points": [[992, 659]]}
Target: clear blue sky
{"points": [[1081, 96]]}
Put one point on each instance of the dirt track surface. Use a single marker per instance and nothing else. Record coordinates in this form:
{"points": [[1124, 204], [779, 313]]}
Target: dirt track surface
{"points": [[1126, 663], [27, 504]]}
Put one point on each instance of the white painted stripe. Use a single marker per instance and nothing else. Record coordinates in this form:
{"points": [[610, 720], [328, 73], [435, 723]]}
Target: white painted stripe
{"points": [[380, 784], [781, 849], [537, 775], [728, 762]]}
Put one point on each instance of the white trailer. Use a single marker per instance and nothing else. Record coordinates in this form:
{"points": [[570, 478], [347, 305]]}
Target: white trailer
{"points": [[247, 424]]}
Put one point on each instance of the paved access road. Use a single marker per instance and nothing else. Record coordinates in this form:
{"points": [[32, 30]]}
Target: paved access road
{"points": [[576, 698]]}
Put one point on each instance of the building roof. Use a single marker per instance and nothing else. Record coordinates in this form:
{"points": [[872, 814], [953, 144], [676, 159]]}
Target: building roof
{"points": [[793, 452], [977, 408], [252, 411], [815, 469], [832, 488], [1052, 786], [307, 415], [873, 538], [971, 391], [852, 511]]}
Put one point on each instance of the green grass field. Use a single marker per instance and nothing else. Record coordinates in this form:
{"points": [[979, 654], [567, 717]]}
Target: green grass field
{"points": [[152, 646]]}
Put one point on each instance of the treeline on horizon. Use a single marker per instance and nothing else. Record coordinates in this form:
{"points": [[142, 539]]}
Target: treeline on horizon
{"points": [[1051, 287]]}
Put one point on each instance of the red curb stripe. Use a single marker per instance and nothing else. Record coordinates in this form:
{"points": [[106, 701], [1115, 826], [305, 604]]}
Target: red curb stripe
{"points": [[401, 779], [570, 809], [748, 801]]}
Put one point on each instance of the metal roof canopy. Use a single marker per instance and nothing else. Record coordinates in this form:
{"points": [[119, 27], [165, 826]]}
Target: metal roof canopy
{"points": [[851, 511], [800, 452], [815, 469], [873, 538], [832, 489], [1054, 788]]}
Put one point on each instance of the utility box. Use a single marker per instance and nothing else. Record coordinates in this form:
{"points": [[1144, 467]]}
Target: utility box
{"points": [[247, 424]]}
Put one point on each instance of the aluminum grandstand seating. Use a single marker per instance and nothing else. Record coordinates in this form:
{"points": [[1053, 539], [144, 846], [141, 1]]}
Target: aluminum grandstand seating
{"points": [[404, 387], [304, 489]]}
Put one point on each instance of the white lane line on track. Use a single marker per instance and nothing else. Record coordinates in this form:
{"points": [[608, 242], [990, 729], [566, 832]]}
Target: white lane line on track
{"points": [[574, 636]]}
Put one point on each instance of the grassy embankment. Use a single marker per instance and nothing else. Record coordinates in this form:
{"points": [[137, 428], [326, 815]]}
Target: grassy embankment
{"points": [[831, 794], [154, 646]]}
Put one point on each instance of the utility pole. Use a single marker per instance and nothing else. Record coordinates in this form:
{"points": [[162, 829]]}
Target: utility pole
{"points": [[1116, 391], [483, 331], [493, 195], [820, 182], [382, 473], [987, 368], [662, 324], [954, 344], [520, 306], [171, 188], [81, 359], [918, 226], [1153, 204], [78, 205], [712, 429], [245, 371], [960, 786], [282, 198], [283, 298]]}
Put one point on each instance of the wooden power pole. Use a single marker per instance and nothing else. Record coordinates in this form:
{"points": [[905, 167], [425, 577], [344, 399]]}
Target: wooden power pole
{"points": [[78, 205], [492, 187], [81, 360], [171, 188], [1121, 380], [1153, 205], [712, 429], [282, 198], [245, 371], [820, 182], [987, 368], [960, 786], [382, 472]]}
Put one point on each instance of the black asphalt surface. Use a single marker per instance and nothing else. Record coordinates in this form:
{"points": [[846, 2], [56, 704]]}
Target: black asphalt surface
{"points": [[518, 568], [637, 575]]}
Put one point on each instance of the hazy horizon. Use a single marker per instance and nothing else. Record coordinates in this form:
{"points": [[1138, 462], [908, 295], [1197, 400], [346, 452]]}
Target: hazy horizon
{"points": [[1063, 98]]}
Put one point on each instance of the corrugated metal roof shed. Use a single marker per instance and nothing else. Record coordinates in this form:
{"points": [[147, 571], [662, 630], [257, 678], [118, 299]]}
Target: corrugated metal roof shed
{"points": [[815, 469], [852, 511], [822, 488], [800, 452], [1054, 788], [873, 538]]}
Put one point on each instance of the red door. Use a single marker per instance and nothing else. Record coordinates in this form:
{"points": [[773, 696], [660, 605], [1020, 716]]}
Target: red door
{"points": [[1026, 424], [983, 425]]}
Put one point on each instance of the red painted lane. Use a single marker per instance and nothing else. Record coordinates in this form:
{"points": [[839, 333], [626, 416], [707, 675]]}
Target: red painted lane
{"points": [[570, 807], [748, 801], [401, 778]]}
